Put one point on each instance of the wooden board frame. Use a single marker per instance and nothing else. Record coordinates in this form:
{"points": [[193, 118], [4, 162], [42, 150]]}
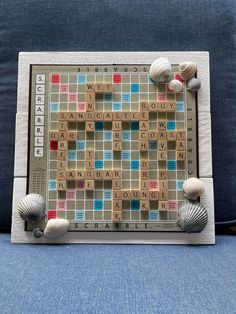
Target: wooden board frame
{"points": [[26, 59]]}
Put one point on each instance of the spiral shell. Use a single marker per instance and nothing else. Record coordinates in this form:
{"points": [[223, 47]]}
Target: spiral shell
{"points": [[193, 188], [37, 233], [193, 85], [56, 228], [160, 70], [31, 208], [175, 85], [187, 70], [192, 217]]}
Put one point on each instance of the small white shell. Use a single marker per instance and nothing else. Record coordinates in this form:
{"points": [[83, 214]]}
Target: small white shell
{"points": [[160, 70], [187, 70], [193, 85], [193, 188], [31, 208], [37, 233], [56, 228], [175, 85], [192, 217]]}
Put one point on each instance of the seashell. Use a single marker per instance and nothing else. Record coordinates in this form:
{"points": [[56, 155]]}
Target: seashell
{"points": [[193, 85], [31, 208], [192, 217], [175, 85], [160, 70], [193, 188], [37, 233], [56, 228], [187, 70]]}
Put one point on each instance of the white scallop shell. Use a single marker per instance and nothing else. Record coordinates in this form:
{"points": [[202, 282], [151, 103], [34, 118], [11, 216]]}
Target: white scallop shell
{"points": [[31, 208], [187, 70], [56, 228], [160, 70], [192, 217], [193, 188], [175, 85], [193, 85]]}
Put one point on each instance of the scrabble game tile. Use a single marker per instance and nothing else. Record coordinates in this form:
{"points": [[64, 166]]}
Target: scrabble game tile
{"points": [[80, 174], [163, 195], [144, 195], [163, 205], [98, 174], [117, 116], [143, 145], [62, 116], [89, 154], [135, 195], [89, 126], [162, 106], [116, 145], [144, 184], [117, 216], [62, 145], [153, 106], [89, 164], [71, 136], [62, 135], [89, 116], [117, 205], [117, 125], [135, 116], [117, 195], [98, 88], [162, 145], [62, 155], [152, 135], [89, 174], [107, 88], [61, 165], [108, 116], [161, 124], [180, 145], [144, 116], [144, 175], [180, 134], [90, 106], [61, 185], [144, 164], [116, 184], [143, 135], [161, 135], [72, 116], [153, 195], [62, 125], [70, 174], [89, 87], [171, 106], [144, 106], [117, 135], [80, 116], [171, 135], [143, 125], [163, 185], [144, 205], [116, 174], [90, 97], [163, 175], [61, 175], [180, 155], [107, 175], [162, 155], [89, 184], [126, 116], [125, 195], [53, 135]]}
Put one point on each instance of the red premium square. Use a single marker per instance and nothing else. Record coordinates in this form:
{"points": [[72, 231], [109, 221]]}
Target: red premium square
{"points": [[56, 78], [53, 145], [52, 214], [117, 78]]}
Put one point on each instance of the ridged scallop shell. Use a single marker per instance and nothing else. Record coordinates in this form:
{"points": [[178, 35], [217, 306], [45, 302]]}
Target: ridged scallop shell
{"points": [[160, 70], [175, 85], [56, 228], [37, 233], [187, 70], [193, 188], [192, 217], [31, 208], [193, 85]]}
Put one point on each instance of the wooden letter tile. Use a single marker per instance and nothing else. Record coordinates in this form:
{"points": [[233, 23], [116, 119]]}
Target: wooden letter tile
{"points": [[144, 116], [163, 185], [153, 195], [144, 195], [90, 106], [116, 174], [107, 175], [125, 195], [163, 175], [163, 205], [89, 154], [153, 106], [117, 195], [135, 195], [162, 145], [61, 185], [161, 135], [62, 155], [144, 174], [107, 88], [116, 184], [143, 145], [89, 126], [144, 106], [181, 135], [117, 125], [171, 106], [117, 145], [143, 125], [62, 116], [89, 174], [98, 175], [53, 135], [89, 184], [144, 184], [144, 205], [70, 174], [163, 195], [107, 116], [144, 164], [161, 124], [143, 135], [180, 145], [80, 174], [117, 205], [62, 145], [90, 97], [180, 155], [61, 165], [117, 216], [162, 155], [61, 175], [80, 116], [62, 125], [89, 164], [171, 135], [98, 88]]}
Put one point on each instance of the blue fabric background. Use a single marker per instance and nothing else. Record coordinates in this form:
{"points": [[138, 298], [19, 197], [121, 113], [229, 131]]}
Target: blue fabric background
{"points": [[98, 25]]}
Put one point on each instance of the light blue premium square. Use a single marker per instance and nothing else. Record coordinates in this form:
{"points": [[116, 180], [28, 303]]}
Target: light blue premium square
{"points": [[125, 155], [116, 106], [98, 205], [107, 155], [98, 164], [126, 97], [135, 205], [99, 125], [126, 136], [171, 125], [79, 215], [52, 185], [71, 155], [171, 165], [80, 145], [134, 125], [134, 165], [152, 145], [81, 79], [153, 215], [107, 195], [54, 107], [134, 88], [179, 185], [179, 106], [107, 136]]}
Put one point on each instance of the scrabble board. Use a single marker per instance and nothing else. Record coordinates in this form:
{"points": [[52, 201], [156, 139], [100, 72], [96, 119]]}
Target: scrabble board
{"points": [[109, 149]]}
